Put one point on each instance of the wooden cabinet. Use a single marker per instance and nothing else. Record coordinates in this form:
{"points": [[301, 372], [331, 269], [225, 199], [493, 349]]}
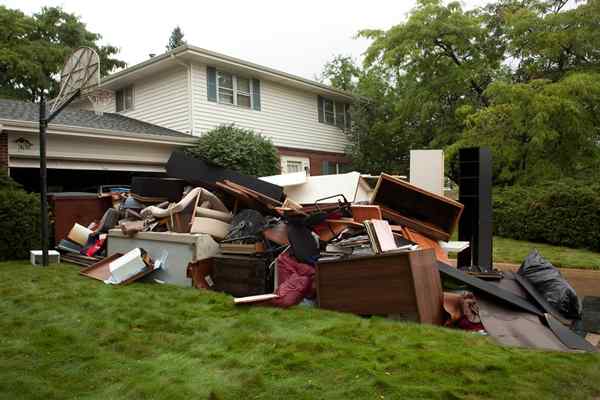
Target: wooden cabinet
{"points": [[403, 284], [69, 208]]}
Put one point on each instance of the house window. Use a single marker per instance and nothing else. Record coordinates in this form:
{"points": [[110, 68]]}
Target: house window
{"points": [[232, 89], [294, 164], [333, 112], [334, 167], [124, 99]]}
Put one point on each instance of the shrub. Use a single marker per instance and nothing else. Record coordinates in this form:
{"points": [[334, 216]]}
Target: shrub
{"points": [[565, 213], [239, 149], [19, 223]]}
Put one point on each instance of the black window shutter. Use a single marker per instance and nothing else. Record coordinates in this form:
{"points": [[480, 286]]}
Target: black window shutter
{"points": [[211, 83], [320, 108], [348, 120], [256, 94]]}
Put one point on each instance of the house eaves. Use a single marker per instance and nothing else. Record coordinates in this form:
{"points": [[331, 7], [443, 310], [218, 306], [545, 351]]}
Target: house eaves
{"points": [[187, 53], [57, 129]]}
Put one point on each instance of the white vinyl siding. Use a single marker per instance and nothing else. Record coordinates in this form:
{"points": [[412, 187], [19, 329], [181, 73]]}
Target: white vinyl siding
{"points": [[162, 100], [288, 116]]}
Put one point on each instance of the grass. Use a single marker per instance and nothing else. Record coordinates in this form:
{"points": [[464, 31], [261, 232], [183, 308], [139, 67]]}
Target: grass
{"points": [[514, 252], [65, 336]]}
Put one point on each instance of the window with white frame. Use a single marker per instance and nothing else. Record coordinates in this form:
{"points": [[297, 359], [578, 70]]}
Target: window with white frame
{"points": [[235, 90], [291, 164], [333, 112], [124, 99]]}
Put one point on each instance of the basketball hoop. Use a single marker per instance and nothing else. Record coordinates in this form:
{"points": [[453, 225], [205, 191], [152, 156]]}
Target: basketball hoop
{"points": [[81, 73], [100, 98]]}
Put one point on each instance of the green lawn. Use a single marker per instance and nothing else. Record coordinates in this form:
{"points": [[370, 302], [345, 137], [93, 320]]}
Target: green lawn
{"points": [[66, 336], [515, 251]]}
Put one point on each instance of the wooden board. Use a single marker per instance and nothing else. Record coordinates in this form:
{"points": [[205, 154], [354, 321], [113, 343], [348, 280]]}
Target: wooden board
{"points": [[405, 283]]}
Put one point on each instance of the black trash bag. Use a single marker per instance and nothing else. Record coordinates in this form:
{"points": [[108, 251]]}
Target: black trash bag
{"points": [[550, 283]]}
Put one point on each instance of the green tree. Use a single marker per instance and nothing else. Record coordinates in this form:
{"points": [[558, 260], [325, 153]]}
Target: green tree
{"points": [[33, 50], [341, 72], [486, 76], [539, 130], [239, 149], [176, 39]]}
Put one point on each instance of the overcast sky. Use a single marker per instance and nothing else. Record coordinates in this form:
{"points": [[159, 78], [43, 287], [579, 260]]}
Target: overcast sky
{"points": [[296, 37]]}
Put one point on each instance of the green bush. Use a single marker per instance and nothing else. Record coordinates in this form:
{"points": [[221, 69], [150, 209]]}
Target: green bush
{"points": [[239, 149], [565, 213], [19, 220]]}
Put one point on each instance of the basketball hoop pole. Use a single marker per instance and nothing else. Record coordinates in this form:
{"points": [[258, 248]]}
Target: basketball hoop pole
{"points": [[44, 121]]}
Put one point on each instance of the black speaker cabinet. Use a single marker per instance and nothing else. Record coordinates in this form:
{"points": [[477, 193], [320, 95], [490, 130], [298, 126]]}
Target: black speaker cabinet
{"points": [[475, 193]]}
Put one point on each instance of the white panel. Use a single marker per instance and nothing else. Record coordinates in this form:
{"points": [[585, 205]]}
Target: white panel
{"points": [[288, 116], [427, 170]]}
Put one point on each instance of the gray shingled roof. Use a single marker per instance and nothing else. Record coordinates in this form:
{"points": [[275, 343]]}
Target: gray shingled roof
{"points": [[24, 111]]}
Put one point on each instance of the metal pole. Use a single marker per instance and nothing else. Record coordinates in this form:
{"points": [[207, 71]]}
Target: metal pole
{"points": [[43, 180]]}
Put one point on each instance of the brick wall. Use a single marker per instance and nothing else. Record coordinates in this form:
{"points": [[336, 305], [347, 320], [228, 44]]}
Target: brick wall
{"points": [[316, 158], [4, 151]]}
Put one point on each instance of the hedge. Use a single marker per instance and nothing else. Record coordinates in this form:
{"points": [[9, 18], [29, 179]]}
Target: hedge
{"points": [[19, 223], [564, 213]]}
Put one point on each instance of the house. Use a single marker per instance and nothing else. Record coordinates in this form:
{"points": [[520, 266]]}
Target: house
{"points": [[193, 90], [168, 101]]}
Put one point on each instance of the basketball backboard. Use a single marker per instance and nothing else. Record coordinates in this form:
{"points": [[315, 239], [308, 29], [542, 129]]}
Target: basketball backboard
{"points": [[80, 74]]}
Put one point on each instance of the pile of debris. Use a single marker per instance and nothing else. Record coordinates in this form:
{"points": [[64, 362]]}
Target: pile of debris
{"points": [[335, 242]]}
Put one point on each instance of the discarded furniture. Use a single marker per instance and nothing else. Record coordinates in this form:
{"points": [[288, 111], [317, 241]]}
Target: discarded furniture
{"points": [[394, 283], [475, 192], [182, 249], [241, 276], [407, 205], [76, 207], [35, 257], [202, 173]]}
